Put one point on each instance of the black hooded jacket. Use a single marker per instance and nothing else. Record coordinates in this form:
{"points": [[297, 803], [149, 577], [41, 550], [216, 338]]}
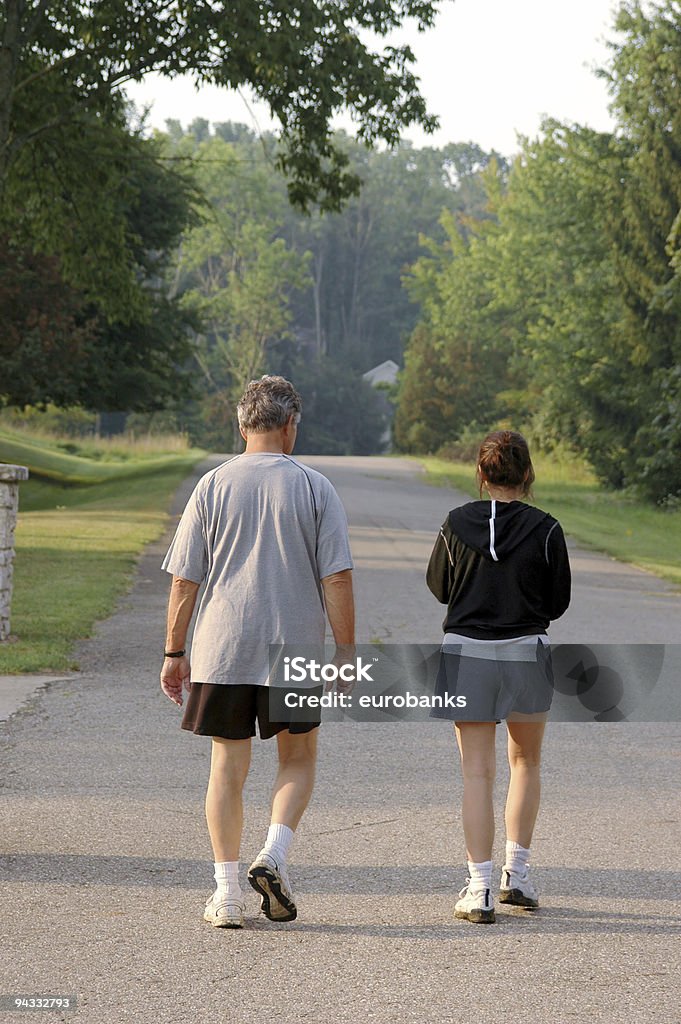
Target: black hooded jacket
{"points": [[501, 568]]}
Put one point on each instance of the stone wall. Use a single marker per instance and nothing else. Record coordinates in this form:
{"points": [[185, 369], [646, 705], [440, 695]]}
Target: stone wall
{"points": [[10, 477]]}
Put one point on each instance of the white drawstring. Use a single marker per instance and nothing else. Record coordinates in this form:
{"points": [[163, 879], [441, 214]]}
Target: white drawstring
{"points": [[491, 531]]}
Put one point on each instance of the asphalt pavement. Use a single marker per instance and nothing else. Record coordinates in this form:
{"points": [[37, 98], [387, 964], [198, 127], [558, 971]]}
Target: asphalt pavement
{"points": [[106, 863]]}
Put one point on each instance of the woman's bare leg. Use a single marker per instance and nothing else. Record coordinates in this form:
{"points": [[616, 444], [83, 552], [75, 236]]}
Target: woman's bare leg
{"points": [[524, 791], [478, 766]]}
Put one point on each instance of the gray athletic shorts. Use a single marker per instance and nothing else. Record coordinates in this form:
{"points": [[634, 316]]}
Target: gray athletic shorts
{"points": [[498, 679]]}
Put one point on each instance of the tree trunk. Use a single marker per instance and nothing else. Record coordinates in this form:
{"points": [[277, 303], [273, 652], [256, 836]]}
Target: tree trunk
{"points": [[237, 441], [316, 293], [362, 233], [9, 61]]}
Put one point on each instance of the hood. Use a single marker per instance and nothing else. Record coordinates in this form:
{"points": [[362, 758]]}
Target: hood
{"points": [[495, 528]]}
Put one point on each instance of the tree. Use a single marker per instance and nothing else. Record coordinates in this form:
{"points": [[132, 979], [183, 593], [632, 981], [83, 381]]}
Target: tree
{"points": [[64, 65], [645, 229], [68, 150], [105, 348], [342, 413], [456, 361], [357, 309], [570, 372], [235, 272], [523, 314], [581, 283], [45, 330]]}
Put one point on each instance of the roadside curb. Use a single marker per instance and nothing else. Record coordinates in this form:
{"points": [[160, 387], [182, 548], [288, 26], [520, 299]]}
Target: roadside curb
{"points": [[16, 690]]}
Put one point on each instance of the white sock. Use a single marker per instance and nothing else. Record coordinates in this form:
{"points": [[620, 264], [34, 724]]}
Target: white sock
{"points": [[517, 858], [279, 839], [480, 875], [227, 877]]}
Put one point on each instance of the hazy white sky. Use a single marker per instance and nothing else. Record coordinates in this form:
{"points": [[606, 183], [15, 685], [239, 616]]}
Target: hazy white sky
{"points": [[489, 69]]}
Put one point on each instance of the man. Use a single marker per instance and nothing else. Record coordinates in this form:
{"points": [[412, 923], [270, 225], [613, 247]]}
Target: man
{"points": [[268, 538]]}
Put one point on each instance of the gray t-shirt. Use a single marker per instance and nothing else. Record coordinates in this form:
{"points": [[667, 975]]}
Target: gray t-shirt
{"points": [[261, 531]]}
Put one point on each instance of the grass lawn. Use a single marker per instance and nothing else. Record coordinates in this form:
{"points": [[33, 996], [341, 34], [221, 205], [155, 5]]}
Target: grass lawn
{"points": [[80, 462], [82, 523], [631, 531]]}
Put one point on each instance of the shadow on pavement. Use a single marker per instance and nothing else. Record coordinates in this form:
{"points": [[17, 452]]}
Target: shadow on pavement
{"points": [[608, 884]]}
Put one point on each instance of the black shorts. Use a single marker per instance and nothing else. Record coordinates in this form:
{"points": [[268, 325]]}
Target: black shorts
{"points": [[231, 711]]}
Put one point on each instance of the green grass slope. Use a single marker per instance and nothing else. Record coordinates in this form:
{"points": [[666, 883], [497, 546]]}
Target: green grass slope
{"points": [[82, 524], [632, 531]]}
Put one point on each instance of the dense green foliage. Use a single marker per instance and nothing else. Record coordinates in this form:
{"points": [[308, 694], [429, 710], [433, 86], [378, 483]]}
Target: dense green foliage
{"points": [[159, 274], [89, 212], [62, 67], [563, 312], [86, 316], [315, 296]]}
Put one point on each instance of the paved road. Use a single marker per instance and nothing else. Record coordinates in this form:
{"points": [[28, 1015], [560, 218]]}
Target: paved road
{"points": [[105, 862]]}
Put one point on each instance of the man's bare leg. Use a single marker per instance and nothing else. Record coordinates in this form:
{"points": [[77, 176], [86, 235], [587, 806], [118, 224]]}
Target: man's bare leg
{"points": [[295, 777], [230, 761], [292, 791]]}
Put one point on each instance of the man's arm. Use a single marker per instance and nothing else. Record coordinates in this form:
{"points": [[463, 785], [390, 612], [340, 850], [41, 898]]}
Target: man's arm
{"points": [[176, 671], [340, 606]]}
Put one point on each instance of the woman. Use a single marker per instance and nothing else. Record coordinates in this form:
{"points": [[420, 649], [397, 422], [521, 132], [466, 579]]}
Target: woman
{"points": [[501, 567]]}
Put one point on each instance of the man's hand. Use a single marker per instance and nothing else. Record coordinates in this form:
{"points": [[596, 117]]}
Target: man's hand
{"points": [[175, 674], [176, 671], [344, 658]]}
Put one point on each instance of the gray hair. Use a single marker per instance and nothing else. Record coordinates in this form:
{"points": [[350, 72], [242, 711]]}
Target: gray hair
{"points": [[268, 404]]}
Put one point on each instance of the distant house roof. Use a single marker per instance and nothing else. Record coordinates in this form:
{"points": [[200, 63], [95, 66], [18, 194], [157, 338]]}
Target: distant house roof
{"points": [[384, 373]]}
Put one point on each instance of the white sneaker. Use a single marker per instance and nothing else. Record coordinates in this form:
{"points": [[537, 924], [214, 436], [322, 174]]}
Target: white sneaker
{"points": [[224, 911], [518, 890], [476, 906], [270, 880]]}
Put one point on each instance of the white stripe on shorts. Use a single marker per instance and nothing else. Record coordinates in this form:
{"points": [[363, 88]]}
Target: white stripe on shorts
{"points": [[516, 648]]}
